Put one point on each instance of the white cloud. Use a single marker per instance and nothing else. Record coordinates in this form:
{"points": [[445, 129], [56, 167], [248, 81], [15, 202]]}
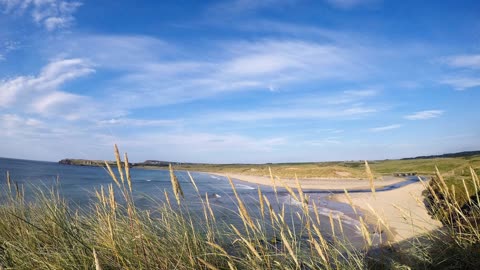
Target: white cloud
{"points": [[52, 14], [69, 106], [282, 57], [423, 115], [16, 125], [42, 94], [385, 128], [325, 141], [161, 73], [351, 96], [43, 89], [469, 65], [464, 61], [7, 46], [129, 122], [462, 83], [293, 113]]}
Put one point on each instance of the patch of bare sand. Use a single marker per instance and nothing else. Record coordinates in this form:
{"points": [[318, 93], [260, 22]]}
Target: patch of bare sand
{"points": [[401, 210], [315, 183]]}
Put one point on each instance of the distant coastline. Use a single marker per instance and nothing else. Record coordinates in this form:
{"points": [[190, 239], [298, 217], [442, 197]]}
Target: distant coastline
{"points": [[101, 163], [163, 164]]}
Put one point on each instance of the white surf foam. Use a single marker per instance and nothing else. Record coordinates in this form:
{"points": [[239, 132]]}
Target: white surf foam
{"points": [[327, 212], [242, 186]]}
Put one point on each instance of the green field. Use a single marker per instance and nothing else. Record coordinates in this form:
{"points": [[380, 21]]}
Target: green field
{"points": [[458, 166]]}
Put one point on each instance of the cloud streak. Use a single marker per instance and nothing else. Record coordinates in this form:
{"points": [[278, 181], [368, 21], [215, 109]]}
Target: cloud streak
{"points": [[462, 83], [385, 128], [464, 61], [162, 74], [43, 95], [52, 14], [424, 115], [23, 88], [468, 64]]}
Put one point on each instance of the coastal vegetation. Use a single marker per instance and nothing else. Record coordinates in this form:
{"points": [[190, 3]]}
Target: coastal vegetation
{"points": [[44, 232], [454, 164]]}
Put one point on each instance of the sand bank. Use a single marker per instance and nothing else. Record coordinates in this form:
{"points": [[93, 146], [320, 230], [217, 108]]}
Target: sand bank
{"points": [[317, 183], [400, 211]]}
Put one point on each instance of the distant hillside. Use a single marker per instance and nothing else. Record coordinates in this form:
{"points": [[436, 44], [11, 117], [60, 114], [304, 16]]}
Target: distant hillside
{"points": [[101, 163], [85, 162], [449, 155], [164, 164]]}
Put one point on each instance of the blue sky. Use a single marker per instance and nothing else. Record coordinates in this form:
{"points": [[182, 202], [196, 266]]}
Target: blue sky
{"points": [[239, 80]]}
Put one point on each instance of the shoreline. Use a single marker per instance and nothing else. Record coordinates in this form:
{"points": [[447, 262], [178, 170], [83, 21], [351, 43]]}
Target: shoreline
{"points": [[315, 184], [398, 213]]}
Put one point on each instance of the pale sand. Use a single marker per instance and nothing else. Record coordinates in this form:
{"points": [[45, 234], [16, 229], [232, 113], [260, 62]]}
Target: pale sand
{"points": [[401, 209], [316, 183]]}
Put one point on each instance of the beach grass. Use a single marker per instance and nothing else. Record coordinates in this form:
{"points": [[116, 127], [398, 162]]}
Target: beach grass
{"points": [[44, 232]]}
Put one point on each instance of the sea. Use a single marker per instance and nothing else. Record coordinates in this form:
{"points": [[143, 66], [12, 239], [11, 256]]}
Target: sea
{"points": [[77, 185]]}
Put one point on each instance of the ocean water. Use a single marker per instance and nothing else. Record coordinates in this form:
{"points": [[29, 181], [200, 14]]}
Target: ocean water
{"points": [[77, 185]]}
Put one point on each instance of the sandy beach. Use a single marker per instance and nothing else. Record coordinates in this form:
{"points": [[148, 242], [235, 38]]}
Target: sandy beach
{"points": [[316, 183], [399, 211]]}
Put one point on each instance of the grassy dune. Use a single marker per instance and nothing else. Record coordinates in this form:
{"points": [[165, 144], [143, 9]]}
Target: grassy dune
{"points": [[458, 166], [302, 170], [113, 233]]}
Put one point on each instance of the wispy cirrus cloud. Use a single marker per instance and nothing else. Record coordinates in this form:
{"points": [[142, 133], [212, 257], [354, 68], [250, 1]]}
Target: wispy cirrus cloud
{"points": [[352, 96], [423, 115], [296, 113], [464, 61], [461, 83], [14, 123], [42, 94], [162, 74], [131, 122], [385, 128], [466, 74], [47, 82], [52, 14]]}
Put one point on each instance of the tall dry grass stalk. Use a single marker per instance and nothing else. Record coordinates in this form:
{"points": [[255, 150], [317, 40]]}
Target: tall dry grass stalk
{"points": [[241, 206], [97, 262], [371, 178], [177, 189]]}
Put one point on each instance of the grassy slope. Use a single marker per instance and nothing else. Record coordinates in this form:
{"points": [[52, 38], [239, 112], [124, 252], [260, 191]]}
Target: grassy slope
{"points": [[453, 169], [302, 170], [449, 166]]}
